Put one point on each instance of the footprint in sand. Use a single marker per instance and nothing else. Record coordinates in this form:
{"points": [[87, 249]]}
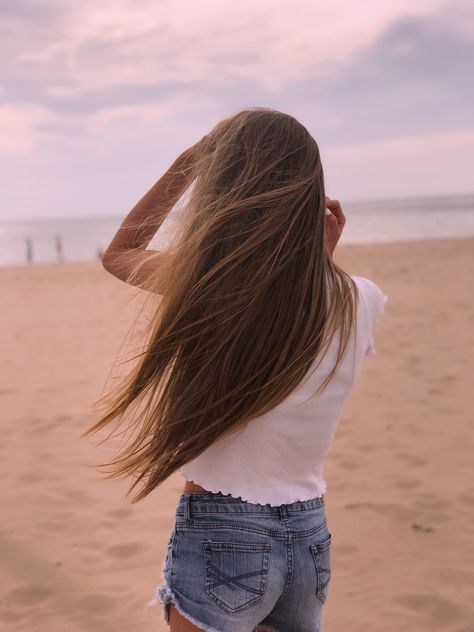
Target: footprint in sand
{"points": [[27, 595], [432, 501], [438, 609], [31, 477], [59, 520], [410, 459], [465, 498], [121, 551], [41, 426], [120, 513], [406, 484], [12, 616], [77, 495], [91, 560], [338, 485], [52, 527], [63, 418], [449, 411], [457, 576], [6, 391], [367, 447], [450, 377], [44, 457], [421, 528], [349, 465], [97, 604], [396, 511], [345, 549]]}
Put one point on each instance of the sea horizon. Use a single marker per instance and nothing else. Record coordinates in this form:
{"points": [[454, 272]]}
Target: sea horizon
{"points": [[368, 221]]}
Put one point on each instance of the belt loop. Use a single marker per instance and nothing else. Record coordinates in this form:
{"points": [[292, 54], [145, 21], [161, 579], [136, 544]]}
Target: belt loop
{"points": [[283, 512], [187, 513]]}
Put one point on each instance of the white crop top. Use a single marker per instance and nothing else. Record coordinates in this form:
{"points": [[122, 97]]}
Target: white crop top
{"points": [[278, 457]]}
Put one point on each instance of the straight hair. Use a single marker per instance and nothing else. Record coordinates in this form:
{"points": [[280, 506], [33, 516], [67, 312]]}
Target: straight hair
{"points": [[250, 300]]}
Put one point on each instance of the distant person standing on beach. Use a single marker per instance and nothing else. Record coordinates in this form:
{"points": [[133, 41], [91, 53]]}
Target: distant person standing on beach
{"points": [[250, 356], [59, 248], [29, 250]]}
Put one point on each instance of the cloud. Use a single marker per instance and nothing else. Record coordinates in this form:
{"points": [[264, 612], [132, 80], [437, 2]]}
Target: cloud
{"points": [[91, 47], [19, 135], [37, 11], [410, 165], [118, 116], [415, 77], [389, 74]]}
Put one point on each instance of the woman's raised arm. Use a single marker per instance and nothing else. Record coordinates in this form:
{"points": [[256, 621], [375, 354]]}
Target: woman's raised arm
{"points": [[128, 246]]}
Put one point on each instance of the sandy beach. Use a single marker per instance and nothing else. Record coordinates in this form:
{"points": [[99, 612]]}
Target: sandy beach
{"points": [[77, 556]]}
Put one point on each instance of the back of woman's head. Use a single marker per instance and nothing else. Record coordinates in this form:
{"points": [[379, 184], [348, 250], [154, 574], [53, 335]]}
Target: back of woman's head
{"points": [[261, 162], [251, 297]]}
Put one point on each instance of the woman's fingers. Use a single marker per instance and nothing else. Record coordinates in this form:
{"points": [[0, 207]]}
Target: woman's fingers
{"points": [[336, 209], [334, 223], [333, 228]]}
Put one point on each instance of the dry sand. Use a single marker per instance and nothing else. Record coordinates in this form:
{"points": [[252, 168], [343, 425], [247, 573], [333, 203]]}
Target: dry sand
{"points": [[76, 556]]}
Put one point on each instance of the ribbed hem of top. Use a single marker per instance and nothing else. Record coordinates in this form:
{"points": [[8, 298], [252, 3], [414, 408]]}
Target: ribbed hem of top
{"points": [[254, 500]]}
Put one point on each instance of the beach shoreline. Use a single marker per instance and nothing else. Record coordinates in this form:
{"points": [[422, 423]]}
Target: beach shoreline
{"points": [[341, 246]]}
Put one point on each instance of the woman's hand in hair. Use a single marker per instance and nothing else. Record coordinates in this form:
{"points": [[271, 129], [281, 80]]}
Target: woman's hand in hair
{"points": [[183, 166], [193, 152], [335, 220]]}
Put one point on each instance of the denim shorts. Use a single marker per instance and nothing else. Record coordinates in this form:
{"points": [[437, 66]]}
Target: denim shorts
{"points": [[233, 565]]}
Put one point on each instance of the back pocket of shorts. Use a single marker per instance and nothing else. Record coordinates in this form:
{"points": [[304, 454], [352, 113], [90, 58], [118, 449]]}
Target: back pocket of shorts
{"points": [[321, 552], [236, 573]]}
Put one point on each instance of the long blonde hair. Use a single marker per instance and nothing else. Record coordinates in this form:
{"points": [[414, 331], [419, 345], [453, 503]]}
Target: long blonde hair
{"points": [[251, 298]]}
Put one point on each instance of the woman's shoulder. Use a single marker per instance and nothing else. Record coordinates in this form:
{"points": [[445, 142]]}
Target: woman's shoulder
{"points": [[366, 284]]}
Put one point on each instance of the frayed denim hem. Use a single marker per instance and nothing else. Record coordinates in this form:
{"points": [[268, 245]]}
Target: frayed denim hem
{"points": [[165, 595]]}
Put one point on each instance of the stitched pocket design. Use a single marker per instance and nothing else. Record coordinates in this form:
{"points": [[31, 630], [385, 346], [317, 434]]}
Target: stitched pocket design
{"points": [[322, 561], [236, 573]]}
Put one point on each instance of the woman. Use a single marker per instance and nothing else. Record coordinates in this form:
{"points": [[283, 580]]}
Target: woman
{"points": [[251, 353]]}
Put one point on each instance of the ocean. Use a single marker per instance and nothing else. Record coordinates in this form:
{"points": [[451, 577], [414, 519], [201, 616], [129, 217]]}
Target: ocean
{"points": [[367, 221]]}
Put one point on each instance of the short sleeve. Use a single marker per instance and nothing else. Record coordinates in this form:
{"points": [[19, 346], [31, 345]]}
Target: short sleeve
{"points": [[371, 349], [375, 301]]}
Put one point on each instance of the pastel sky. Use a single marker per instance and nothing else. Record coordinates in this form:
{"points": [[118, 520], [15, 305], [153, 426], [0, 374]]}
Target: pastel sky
{"points": [[98, 98]]}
